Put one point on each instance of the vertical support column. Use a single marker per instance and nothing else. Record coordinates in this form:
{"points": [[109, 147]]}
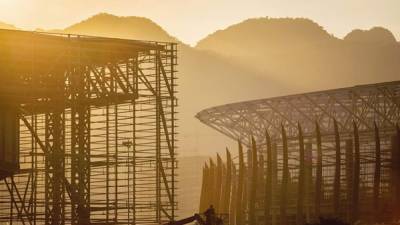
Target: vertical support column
{"points": [[11, 219], [319, 179], [356, 178], [274, 184], [228, 182], [395, 173], [253, 184], [55, 157], [211, 194], [301, 179], [116, 163], [349, 179], [377, 175], [159, 112], [135, 80], [80, 146], [218, 184], [158, 138], [222, 190], [35, 180], [203, 193], [233, 198], [55, 166], [268, 181], [173, 102], [261, 173], [239, 198], [336, 184], [309, 188], [285, 179], [108, 185]]}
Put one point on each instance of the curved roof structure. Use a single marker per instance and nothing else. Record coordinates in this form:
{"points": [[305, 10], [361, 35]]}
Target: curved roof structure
{"points": [[365, 105]]}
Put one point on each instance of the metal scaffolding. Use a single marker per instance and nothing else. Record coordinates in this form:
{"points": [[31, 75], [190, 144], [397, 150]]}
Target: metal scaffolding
{"points": [[332, 153], [96, 129]]}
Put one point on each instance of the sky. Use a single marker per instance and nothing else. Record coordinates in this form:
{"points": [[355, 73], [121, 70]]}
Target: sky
{"points": [[192, 20]]}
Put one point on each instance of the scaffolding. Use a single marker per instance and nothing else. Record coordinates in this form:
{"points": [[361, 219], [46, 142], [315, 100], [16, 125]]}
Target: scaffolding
{"points": [[96, 129], [332, 153]]}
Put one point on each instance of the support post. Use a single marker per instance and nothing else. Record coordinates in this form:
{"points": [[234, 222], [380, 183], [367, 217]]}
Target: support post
{"points": [[301, 180], [285, 179], [336, 184], [202, 205], [356, 178], [228, 183], [268, 181], [253, 184], [218, 185], [319, 179], [211, 192], [349, 179], [239, 198], [80, 146], [55, 168], [395, 173], [377, 175], [233, 197]]}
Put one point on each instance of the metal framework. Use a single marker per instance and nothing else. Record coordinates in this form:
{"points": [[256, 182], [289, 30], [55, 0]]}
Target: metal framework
{"points": [[96, 129], [331, 153]]}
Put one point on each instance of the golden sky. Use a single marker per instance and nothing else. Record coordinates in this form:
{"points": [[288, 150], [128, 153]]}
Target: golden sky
{"points": [[191, 20]]}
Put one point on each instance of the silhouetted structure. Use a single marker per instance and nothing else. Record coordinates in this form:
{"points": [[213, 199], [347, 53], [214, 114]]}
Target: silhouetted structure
{"points": [[332, 153], [87, 130]]}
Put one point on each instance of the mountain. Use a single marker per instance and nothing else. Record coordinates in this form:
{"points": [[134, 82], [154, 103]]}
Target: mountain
{"points": [[375, 35], [131, 27], [304, 57]]}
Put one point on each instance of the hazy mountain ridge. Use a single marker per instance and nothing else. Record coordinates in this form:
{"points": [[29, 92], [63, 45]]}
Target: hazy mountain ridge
{"points": [[375, 35], [108, 25], [300, 52], [273, 29]]}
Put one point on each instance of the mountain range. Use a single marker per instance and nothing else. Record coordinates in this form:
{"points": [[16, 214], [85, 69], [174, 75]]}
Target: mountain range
{"points": [[257, 58]]}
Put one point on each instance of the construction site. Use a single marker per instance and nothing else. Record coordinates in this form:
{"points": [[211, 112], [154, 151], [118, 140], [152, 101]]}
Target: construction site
{"points": [[88, 130], [330, 154], [88, 136]]}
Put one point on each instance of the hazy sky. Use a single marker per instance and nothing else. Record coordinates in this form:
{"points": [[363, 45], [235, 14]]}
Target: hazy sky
{"points": [[191, 20]]}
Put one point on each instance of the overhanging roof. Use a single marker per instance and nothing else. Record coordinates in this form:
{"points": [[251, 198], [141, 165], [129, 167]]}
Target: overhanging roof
{"points": [[365, 105]]}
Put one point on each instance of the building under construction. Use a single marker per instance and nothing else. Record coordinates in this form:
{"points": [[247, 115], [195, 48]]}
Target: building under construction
{"points": [[332, 153], [87, 130]]}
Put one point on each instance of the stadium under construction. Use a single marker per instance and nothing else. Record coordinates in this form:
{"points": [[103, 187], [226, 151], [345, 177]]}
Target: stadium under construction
{"points": [[88, 130], [332, 154]]}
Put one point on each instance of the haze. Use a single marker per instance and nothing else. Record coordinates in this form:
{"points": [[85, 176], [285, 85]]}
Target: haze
{"points": [[192, 20]]}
